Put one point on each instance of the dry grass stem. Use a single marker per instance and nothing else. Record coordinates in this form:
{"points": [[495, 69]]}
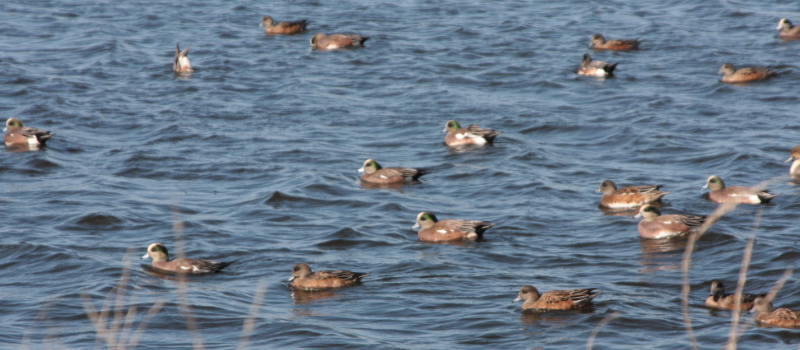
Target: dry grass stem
{"points": [[778, 285], [602, 323], [250, 321], [721, 210], [134, 339], [115, 336], [41, 315], [748, 252], [183, 299]]}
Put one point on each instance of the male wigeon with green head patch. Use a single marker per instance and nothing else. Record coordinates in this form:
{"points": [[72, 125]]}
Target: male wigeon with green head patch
{"points": [[657, 226], [158, 252], [555, 299], [181, 63], [599, 42], [293, 27], [471, 135], [593, 68], [18, 135], [787, 30], [303, 278], [628, 197], [321, 41], [744, 75], [433, 230], [374, 173], [736, 194]]}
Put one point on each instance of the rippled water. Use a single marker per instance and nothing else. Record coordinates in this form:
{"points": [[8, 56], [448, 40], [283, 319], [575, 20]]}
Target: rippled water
{"points": [[259, 150]]}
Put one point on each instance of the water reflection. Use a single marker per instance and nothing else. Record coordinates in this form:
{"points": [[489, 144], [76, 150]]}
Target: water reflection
{"points": [[392, 186], [661, 254], [627, 211], [558, 317], [303, 297]]}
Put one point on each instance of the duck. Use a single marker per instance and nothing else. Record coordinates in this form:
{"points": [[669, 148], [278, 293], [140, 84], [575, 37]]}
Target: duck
{"points": [[736, 194], [302, 278], [293, 27], [599, 43], [744, 75], [158, 252], [787, 30], [657, 226], [18, 135], [719, 300], [181, 63], [321, 41], [795, 169], [780, 317], [555, 299], [592, 68], [471, 135], [628, 197], [433, 230], [373, 172]]}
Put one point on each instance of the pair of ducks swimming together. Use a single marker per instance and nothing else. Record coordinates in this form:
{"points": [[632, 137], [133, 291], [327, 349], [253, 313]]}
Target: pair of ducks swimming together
{"points": [[302, 276], [730, 74], [319, 41], [765, 313], [657, 226]]}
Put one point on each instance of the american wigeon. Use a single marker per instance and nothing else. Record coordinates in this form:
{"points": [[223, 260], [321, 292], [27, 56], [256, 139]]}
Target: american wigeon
{"points": [[23, 136], [303, 278], [743, 75], [628, 197], [795, 169], [433, 230], [592, 68], [373, 172], [320, 41], [181, 63], [555, 299], [599, 43], [654, 225], [471, 135], [158, 252], [736, 194], [293, 27], [788, 31], [780, 317], [718, 299]]}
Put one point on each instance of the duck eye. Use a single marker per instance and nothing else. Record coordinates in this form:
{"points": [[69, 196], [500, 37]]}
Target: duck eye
{"points": [[297, 268]]}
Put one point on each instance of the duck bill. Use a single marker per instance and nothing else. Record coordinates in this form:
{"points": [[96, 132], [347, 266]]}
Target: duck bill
{"points": [[415, 226], [637, 216], [704, 187], [598, 190], [291, 279], [361, 169], [516, 300], [785, 161], [146, 256]]}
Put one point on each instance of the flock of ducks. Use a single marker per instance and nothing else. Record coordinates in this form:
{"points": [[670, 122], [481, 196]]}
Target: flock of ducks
{"points": [[653, 225], [590, 67]]}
